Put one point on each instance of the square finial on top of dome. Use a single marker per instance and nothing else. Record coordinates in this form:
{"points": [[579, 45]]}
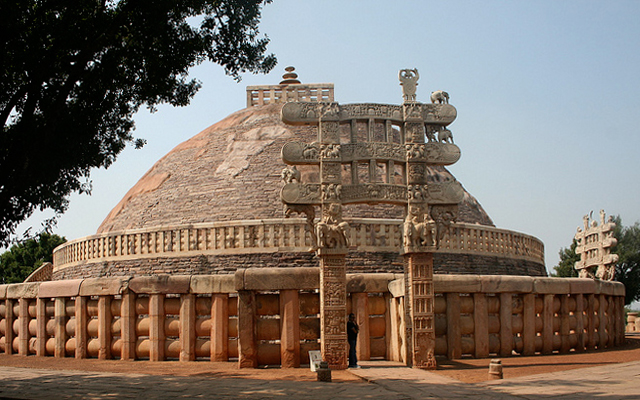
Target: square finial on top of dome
{"points": [[289, 89]]}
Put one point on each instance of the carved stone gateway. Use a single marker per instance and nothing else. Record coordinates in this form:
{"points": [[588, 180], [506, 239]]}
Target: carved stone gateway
{"points": [[375, 153], [594, 246]]}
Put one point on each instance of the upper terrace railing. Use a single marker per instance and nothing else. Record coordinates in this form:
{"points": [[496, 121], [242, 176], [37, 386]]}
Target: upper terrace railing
{"points": [[283, 235]]}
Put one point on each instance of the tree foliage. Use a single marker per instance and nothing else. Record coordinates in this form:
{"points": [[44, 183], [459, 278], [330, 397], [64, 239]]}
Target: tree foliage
{"points": [[627, 267], [74, 74], [23, 258]]}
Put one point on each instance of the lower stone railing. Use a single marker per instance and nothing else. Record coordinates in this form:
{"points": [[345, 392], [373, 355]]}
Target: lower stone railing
{"points": [[480, 316], [270, 316], [282, 235]]}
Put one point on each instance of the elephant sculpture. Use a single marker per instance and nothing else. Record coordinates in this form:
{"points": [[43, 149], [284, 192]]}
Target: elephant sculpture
{"points": [[440, 97]]}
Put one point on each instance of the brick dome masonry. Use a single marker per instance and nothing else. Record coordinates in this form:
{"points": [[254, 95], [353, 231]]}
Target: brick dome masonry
{"points": [[231, 171], [212, 205]]}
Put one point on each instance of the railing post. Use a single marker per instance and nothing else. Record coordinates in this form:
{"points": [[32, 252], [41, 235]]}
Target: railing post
{"points": [[529, 324], [547, 324], [41, 327], [289, 328], [506, 324], [23, 333], [454, 339], [220, 327], [247, 346], [187, 327], [360, 307], [60, 315], [82, 319], [481, 325], [156, 327], [104, 327], [128, 325]]}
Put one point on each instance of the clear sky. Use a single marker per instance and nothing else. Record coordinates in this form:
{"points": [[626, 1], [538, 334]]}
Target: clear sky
{"points": [[547, 92]]}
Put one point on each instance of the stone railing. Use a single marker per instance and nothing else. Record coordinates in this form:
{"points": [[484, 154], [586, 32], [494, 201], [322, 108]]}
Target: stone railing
{"points": [[269, 94], [282, 235], [270, 316], [483, 315]]}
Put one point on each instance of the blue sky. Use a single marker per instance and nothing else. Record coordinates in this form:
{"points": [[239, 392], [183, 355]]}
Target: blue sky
{"points": [[547, 92]]}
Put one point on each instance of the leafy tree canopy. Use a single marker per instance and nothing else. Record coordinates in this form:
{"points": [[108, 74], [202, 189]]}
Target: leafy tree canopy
{"points": [[627, 267], [74, 74], [23, 258]]}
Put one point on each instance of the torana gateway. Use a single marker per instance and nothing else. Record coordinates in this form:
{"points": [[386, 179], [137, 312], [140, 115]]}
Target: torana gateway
{"points": [[254, 239]]}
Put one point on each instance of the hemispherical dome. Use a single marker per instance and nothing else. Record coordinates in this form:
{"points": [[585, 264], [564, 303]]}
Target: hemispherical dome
{"points": [[231, 171]]}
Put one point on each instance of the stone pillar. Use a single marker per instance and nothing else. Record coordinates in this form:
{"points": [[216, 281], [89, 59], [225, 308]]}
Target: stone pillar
{"points": [[506, 324], [60, 315], [247, 346], [579, 315], [481, 325], [360, 307], [591, 315], [8, 326], [333, 310], [529, 324], [289, 329], [547, 324], [156, 327], [23, 333], [220, 327], [602, 332], [104, 327], [454, 339], [41, 326], [188, 327], [565, 328], [128, 320], [82, 319], [419, 268]]}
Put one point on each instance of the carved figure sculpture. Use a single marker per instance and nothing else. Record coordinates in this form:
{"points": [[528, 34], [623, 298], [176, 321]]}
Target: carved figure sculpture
{"points": [[419, 229], [331, 232], [409, 80], [290, 174], [440, 97], [445, 135], [310, 151]]}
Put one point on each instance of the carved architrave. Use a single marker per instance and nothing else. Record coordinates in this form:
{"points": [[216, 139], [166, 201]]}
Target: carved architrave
{"points": [[374, 193], [309, 113], [301, 193]]}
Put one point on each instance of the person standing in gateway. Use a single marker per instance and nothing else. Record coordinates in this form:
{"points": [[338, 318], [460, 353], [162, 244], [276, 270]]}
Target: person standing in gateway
{"points": [[352, 338]]}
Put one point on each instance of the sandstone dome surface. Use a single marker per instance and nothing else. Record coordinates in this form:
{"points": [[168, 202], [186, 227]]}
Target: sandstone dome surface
{"points": [[231, 171]]}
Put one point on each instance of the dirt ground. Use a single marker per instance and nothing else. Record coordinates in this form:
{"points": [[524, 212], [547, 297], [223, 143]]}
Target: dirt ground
{"points": [[465, 370]]}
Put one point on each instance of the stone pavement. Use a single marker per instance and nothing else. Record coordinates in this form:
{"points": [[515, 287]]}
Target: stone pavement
{"points": [[381, 380]]}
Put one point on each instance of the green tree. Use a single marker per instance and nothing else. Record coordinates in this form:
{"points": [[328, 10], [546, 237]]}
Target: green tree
{"points": [[74, 74], [568, 259], [627, 267], [23, 258]]}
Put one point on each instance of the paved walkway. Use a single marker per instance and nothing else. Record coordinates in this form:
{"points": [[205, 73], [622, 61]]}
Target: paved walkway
{"points": [[381, 380]]}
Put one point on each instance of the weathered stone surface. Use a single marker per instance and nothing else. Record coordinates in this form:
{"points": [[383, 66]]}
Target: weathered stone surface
{"points": [[551, 286], [23, 290], [618, 289], [396, 287], [456, 283], [582, 285], [66, 288], [104, 286], [506, 284], [160, 284], [203, 284], [3, 292], [365, 283], [278, 279]]}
